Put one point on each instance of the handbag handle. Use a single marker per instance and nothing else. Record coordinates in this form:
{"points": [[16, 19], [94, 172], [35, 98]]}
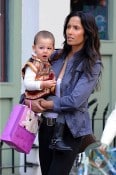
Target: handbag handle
{"points": [[30, 103], [22, 100]]}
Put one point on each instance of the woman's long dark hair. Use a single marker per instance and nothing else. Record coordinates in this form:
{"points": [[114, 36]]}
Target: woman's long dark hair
{"points": [[90, 51]]}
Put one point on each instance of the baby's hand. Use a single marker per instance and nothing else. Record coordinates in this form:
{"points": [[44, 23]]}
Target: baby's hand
{"points": [[48, 84]]}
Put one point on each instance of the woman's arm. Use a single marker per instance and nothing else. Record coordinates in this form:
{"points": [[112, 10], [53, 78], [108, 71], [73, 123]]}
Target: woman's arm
{"points": [[80, 94], [109, 132]]}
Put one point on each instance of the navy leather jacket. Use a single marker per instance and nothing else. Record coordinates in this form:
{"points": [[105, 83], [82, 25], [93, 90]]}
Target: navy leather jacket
{"points": [[73, 103]]}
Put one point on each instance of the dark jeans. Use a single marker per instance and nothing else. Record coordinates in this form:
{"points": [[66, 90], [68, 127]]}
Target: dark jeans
{"points": [[56, 162]]}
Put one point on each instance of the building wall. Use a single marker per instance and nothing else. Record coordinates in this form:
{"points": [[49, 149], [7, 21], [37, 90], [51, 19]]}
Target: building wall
{"points": [[51, 17]]}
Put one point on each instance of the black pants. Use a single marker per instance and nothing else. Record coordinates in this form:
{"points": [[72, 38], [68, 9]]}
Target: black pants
{"points": [[56, 162]]}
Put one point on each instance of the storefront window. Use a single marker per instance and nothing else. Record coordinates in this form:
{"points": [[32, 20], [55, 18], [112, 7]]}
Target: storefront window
{"points": [[99, 8]]}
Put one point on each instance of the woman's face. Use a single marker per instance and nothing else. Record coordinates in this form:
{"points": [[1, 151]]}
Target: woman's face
{"points": [[75, 33]]}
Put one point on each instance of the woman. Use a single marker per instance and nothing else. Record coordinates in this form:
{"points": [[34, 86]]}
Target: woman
{"points": [[78, 67]]}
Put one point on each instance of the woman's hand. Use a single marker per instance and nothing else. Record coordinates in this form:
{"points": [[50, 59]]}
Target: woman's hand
{"points": [[103, 148], [35, 105], [46, 104]]}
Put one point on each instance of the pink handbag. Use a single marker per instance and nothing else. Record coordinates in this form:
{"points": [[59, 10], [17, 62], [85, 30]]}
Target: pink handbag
{"points": [[21, 128]]}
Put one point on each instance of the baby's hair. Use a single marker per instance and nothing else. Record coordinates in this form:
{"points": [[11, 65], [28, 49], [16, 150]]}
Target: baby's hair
{"points": [[44, 34]]}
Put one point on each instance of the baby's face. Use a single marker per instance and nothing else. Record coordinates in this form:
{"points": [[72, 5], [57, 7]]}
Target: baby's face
{"points": [[44, 48]]}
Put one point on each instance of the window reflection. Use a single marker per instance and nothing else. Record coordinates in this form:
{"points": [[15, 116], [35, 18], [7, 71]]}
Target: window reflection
{"points": [[99, 8]]}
